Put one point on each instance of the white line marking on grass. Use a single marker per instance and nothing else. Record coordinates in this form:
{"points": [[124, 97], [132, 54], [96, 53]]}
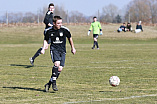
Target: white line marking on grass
{"points": [[125, 98]]}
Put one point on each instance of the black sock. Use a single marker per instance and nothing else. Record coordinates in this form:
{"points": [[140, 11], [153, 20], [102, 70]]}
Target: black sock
{"points": [[58, 74], [54, 74], [97, 44], [37, 53], [94, 44], [50, 82]]}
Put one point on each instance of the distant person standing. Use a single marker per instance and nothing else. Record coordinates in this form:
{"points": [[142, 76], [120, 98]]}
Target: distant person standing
{"points": [[96, 26], [139, 27], [48, 21]]}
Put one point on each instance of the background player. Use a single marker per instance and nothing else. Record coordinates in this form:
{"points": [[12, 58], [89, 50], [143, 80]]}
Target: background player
{"points": [[48, 20], [122, 28], [96, 26], [138, 27], [57, 34]]}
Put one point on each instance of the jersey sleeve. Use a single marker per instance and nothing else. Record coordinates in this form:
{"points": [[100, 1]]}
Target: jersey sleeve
{"points": [[66, 32], [47, 36]]}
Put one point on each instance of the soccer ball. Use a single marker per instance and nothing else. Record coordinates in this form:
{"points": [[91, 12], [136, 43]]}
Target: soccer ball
{"points": [[114, 81]]}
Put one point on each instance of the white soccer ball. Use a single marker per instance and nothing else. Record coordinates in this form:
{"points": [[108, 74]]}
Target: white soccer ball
{"points": [[114, 81]]}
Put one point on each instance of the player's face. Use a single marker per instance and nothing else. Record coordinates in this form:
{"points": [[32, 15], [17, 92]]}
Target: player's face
{"points": [[51, 8], [95, 19], [58, 24]]}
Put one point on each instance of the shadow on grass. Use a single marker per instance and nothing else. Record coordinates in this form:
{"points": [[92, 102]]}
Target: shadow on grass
{"points": [[28, 66], [25, 66], [24, 88], [105, 91]]}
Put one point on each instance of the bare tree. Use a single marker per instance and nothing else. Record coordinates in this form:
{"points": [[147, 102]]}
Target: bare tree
{"points": [[59, 10], [138, 10], [153, 10], [109, 12], [15, 17], [29, 17], [77, 17]]}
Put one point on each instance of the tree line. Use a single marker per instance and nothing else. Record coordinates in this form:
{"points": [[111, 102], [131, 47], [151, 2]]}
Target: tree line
{"points": [[144, 10]]}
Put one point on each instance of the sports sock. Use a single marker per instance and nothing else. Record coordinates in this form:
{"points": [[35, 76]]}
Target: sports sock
{"points": [[58, 74], [97, 44], [94, 44], [37, 53], [54, 74]]}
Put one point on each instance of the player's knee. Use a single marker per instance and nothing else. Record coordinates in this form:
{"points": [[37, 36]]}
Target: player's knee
{"points": [[57, 63], [60, 68], [46, 46], [95, 39]]}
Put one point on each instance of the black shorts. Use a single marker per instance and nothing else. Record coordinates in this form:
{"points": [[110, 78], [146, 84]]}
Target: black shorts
{"points": [[95, 36], [58, 56]]}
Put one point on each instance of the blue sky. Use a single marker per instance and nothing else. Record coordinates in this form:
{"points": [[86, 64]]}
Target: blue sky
{"points": [[87, 7]]}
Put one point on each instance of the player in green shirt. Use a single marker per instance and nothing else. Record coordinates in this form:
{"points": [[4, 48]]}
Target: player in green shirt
{"points": [[96, 26]]}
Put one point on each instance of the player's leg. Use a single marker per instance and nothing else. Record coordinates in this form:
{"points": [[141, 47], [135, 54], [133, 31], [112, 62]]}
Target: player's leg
{"points": [[96, 39], [55, 56], [137, 30], [37, 54], [53, 77], [60, 68], [62, 62]]}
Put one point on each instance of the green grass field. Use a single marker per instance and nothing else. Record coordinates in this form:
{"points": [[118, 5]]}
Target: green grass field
{"points": [[85, 77]]}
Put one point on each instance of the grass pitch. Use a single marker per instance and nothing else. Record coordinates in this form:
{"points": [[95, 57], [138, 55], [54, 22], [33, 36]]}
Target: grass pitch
{"points": [[85, 77]]}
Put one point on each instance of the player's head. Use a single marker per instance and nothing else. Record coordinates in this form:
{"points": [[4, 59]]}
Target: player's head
{"points": [[139, 22], [94, 18], [57, 22], [51, 7], [128, 23], [124, 24]]}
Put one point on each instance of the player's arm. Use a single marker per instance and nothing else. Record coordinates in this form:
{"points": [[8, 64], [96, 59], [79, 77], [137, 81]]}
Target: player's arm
{"points": [[141, 28], [45, 43], [100, 29], [68, 35], [73, 50]]}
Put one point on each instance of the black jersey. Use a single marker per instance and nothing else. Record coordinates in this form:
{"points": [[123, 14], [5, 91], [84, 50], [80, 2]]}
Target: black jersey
{"points": [[58, 38], [139, 27], [48, 19]]}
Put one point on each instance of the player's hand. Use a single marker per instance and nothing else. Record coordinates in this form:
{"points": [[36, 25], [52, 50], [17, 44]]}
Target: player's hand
{"points": [[73, 50], [50, 25], [42, 51], [101, 33], [88, 33]]}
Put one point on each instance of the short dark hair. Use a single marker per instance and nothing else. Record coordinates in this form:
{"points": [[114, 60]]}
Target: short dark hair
{"points": [[51, 4], [55, 18], [94, 17]]}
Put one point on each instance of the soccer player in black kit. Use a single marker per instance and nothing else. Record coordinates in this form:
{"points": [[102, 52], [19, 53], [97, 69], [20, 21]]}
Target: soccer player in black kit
{"points": [[48, 20], [58, 34]]}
